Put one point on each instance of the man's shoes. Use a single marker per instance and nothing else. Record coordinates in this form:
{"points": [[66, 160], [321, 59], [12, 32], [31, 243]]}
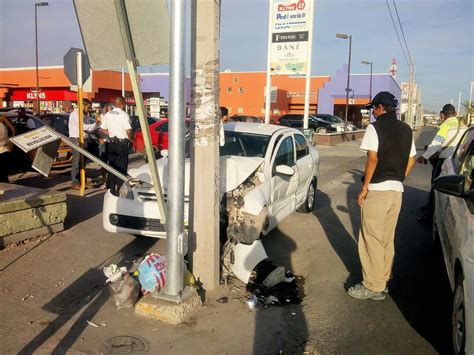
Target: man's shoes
{"points": [[75, 187], [361, 292]]}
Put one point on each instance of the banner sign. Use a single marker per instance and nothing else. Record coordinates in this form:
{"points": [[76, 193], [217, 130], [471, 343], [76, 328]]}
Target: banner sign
{"points": [[34, 139], [290, 26]]}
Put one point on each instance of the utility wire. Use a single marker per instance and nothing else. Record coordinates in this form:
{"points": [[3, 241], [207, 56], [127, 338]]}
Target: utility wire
{"points": [[403, 33], [396, 31]]}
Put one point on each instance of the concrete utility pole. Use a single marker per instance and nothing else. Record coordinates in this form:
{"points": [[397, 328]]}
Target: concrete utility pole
{"points": [[204, 236]]}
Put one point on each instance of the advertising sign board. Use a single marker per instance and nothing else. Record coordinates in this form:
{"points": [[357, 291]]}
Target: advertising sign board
{"points": [[34, 139], [290, 40]]}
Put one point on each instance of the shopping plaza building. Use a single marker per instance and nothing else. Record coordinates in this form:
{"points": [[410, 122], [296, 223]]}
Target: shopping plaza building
{"points": [[243, 93]]}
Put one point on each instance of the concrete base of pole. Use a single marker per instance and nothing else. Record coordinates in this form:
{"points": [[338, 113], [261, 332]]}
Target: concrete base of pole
{"points": [[169, 311]]}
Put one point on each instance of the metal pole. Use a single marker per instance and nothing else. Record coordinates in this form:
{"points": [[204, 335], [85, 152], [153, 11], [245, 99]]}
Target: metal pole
{"points": [[82, 171], [470, 104], [135, 81], [348, 82], [307, 94], [459, 103], [268, 87], [36, 48], [174, 267], [370, 88]]}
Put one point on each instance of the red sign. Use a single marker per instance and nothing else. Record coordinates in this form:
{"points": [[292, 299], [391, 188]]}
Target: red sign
{"points": [[44, 95]]}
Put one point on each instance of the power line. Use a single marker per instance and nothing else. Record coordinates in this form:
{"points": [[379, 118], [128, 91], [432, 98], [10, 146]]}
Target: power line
{"points": [[396, 31], [403, 33]]}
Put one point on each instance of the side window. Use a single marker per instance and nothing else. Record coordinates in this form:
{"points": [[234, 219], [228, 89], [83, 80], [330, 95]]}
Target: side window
{"points": [[285, 154], [162, 128], [462, 148], [302, 148]]}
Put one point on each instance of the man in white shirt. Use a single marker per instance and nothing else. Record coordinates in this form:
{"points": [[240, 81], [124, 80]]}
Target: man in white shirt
{"points": [[116, 125], [390, 158], [73, 125]]}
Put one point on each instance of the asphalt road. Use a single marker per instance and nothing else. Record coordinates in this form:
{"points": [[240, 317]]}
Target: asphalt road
{"points": [[61, 275]]}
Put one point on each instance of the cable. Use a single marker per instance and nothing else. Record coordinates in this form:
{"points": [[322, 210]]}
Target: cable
{"points": [[396, 31], [403, 33]]}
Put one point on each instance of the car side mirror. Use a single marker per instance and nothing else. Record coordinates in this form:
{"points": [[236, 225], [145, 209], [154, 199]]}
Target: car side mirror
{"points": [[450, 184], [285, 170]]}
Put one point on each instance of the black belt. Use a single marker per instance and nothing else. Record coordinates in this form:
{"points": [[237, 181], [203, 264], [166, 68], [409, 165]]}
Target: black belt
{"points": [[118, 140]]}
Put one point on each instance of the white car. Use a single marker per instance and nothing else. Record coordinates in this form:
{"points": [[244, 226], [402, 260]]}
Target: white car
{"points": [[267, 172], [454, 225]]}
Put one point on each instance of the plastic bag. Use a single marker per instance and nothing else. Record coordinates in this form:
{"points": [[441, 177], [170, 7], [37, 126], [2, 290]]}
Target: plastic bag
{"points": [[124, 291], [152, 272]]}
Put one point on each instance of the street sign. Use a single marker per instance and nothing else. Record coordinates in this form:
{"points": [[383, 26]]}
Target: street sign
{"points": [[101, 32], [290, 36], [34, 139], [70, 65]]}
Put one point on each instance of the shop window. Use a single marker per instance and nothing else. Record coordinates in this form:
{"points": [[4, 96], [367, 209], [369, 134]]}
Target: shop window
{"points": [[235, 80], [229, 90], [241, 90], [240, 110]]}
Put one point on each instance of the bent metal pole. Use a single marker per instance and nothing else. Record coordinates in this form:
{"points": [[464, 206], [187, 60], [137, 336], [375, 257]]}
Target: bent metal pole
{"points": [[174, 232]]}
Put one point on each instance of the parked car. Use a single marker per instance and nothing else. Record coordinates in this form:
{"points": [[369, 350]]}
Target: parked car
{"points": [[296, 121], [334, 121], [159, 136], [272, 169], [135, 123], [453, 224]]}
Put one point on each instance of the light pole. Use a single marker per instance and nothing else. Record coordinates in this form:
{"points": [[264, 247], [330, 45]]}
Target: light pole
{"points": [[346, 36], [44, 3], [370, 85]]}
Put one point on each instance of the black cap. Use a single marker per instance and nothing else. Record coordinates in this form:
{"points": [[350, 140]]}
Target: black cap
{"points": [[383, 98], [448, 108]]}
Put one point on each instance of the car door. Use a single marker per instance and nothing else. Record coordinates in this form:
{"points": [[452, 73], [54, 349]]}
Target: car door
{"points": [[283, 187], [304, 165], [161, 134]]}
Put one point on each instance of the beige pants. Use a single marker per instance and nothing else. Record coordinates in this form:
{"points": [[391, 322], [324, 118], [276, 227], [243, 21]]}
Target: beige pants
{"points": [[376, 238]]}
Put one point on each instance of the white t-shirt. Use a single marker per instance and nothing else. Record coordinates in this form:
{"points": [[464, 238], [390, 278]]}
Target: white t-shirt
{"points": [[73, 124], [3, 138], [117, 122], [371, 142]]}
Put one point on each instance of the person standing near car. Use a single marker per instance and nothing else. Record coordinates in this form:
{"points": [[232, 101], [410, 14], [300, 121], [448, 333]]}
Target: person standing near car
{"points": [[5, 147], [390, 157], [116, 125], [447, 137], [104, 144], [73, 125]]}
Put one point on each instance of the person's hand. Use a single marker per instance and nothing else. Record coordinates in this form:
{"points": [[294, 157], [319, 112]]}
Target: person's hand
{"points": [[362, 196], [422, 160]]}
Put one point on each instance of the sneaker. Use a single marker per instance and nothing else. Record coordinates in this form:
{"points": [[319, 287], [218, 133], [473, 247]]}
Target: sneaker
{"points": [[361, 292]]}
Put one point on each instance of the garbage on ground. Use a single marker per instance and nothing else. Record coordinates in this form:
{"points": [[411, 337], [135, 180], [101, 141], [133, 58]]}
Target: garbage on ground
{"points": [[224, 299], [123, 287], [152, 272], [92, 324]]}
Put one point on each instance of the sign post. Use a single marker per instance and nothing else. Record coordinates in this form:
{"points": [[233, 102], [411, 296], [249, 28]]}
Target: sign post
{"points": [[289, 45], [82, 175]]}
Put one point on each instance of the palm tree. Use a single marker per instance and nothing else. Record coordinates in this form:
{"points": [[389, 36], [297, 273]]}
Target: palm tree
{"points": [[468, 112]]}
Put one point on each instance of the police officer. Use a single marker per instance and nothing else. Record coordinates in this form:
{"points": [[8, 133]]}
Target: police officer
{"points": [[116, 125]]}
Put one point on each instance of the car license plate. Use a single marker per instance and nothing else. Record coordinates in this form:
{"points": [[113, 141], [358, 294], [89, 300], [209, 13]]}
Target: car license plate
{"points": [[62, 154]]}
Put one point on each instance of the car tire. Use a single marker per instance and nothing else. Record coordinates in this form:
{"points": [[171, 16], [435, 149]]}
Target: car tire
{"points": [[458, 317], [308, 205], [321, 130]]}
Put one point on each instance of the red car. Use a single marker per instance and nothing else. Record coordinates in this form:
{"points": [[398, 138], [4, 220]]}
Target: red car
{"points": [[159, 136]]}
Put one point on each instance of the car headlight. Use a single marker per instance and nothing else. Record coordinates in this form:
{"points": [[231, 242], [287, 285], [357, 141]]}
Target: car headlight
{"points": [[333, 125], [126, 191]]}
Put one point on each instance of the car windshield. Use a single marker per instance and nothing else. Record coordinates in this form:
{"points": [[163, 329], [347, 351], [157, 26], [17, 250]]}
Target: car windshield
{"points": [[244, 144], [329, 118]]}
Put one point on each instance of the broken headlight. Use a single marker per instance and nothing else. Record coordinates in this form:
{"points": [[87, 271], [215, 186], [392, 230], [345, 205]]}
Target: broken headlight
{"points": [[126, 191]]}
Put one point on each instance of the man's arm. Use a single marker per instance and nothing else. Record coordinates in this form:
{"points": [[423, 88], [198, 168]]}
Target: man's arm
{"points": [[370, 166], [129, 134], [411, 163]]}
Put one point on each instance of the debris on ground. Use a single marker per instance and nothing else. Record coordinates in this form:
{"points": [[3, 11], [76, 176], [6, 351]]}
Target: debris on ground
{"points": [[123, 287], [223, 299], [26, 297], [152, 272], [92, 324]]}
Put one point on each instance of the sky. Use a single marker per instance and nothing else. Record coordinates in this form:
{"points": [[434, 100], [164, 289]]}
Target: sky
{"points": [[439, 33]]}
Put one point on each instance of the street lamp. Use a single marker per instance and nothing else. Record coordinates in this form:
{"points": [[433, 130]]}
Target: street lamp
{"points": [[370, 86], [346, 36], [38, 4]]}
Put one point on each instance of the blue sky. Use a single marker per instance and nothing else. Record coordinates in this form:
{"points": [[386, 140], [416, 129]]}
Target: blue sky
{"points": [[440, 34]]}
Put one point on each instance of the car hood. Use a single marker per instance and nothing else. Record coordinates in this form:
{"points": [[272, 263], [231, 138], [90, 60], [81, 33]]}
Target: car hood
{"points": [[234, 170]]}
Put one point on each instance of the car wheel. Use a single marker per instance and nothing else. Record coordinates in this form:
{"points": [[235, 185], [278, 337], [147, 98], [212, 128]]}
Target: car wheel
{"points": [[321, 130], [308, 205], [458, 317]]}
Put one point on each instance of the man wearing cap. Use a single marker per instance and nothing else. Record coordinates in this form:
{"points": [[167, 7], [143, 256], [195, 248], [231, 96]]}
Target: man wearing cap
{"points": [[390, 158], [449, 133]]}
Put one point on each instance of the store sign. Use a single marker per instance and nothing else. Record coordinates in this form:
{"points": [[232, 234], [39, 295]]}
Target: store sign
{"points": [[290, 26], [298, 94], [34, 139], [44, 95], [33, 95]]}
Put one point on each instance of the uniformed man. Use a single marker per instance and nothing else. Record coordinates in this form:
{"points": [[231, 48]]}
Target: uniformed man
{"points": [[116, 125]]}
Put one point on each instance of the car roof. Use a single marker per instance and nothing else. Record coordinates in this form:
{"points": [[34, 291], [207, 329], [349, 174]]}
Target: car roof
{"points": [[255, 127]]}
